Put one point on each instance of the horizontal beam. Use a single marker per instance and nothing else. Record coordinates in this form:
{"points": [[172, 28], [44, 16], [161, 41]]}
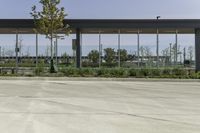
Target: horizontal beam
{"points": [[92, 26]]}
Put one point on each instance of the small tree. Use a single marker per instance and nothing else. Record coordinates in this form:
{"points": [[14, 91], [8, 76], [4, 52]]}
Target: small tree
{"points": [[94, 56], [65, 58], [49, 22], [190, 52], [165, 54], [123, 55], [109, 55]]}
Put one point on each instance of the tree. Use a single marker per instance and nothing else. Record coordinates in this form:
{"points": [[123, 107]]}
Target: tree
{"points": [[94, 56], [65, 58], [109, 55], [166, 54], [123, 55], [20, 46], [146, 52], [141, 50], [49, 22], [190, 52]]}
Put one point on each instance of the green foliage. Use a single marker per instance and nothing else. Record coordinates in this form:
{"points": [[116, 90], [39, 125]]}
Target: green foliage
{"points": [[70, 71], [89, 64], [102, 72], [179, 72], [133, 72], [109, 55], [166, 72], [87, 72], [123, 55], [93, 56], [50, 20], [155, 72], [143, 73], [109, 64], [39, 70]]}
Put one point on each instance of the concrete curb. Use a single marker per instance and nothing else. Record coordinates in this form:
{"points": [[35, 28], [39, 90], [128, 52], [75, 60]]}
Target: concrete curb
{"points": [[100, 79]]}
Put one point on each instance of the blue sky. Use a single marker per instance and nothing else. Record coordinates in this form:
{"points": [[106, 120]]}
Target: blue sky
{"points": [[108, 9], [130, 9]]}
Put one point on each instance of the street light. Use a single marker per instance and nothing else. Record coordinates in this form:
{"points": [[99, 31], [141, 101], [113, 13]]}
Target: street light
{"points": [[158, 17], [157, 46]]}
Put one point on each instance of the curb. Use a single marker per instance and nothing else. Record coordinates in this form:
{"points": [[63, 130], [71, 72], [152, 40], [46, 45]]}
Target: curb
{"points": [[100, 79]]}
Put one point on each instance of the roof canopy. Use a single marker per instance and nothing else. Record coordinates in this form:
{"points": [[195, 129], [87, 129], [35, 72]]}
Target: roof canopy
{"points": [[109, 26]]}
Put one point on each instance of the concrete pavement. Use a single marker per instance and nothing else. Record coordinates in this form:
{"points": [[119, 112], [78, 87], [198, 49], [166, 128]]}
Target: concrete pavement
{"points": [[50, 106]]}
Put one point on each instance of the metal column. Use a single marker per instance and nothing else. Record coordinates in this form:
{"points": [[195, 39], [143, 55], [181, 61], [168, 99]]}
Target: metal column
{"points": [[36, 50], [100, 50], [0, 53], [170, 52], [17, 50], [138, 47], [81, 45], [78, 48], [56, 51], [119, 54], [197, 49], [176, 48], [157, 47]]}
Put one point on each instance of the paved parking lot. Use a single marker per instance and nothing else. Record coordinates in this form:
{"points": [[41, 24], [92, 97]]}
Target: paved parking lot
{"points": [[49, 106]]}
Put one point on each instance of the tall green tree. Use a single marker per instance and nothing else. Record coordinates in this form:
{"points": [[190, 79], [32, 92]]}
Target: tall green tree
{"points": [[49, 21], [93, 56], [109, 55], [123, 55]]}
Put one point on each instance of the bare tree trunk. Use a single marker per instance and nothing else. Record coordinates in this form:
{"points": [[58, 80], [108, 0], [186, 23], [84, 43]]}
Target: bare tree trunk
{"points": [[52, 70]]}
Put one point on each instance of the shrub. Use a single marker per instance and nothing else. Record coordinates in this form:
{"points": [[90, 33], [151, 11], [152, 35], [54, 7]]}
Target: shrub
{"points": [[113, 64], [155, 72], [69, 71], [166, 72], [179, 72], [85, 72], [143, 73], [132, 72], [39, 70], [103, 72], [118, 72]]}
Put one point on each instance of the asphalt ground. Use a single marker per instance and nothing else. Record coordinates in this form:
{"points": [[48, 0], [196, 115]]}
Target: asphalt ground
{"points": [[46, 105]]}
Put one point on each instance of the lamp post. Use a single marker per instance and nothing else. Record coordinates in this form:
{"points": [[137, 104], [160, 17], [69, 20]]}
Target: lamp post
{"points": [[138, 47], [100, 51], [176, 48], [157, 42], [170, 52], [119, 48], [16, 50], [0, 52]]}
